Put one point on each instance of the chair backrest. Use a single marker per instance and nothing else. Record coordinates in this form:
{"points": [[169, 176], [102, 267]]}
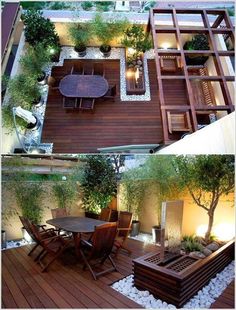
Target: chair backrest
{"points": [[103, 239], [105, 215], [88, 68], [34, 230], [59, 212], [26, 225], [124, 221], [98, 69]]}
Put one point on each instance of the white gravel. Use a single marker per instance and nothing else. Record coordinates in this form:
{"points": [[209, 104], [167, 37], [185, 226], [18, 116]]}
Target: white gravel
{"points": [[15, 244], [202, 300]]}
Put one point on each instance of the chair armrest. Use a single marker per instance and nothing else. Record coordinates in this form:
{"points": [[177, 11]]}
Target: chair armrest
{"points": [[124, 229], [86, 243]]}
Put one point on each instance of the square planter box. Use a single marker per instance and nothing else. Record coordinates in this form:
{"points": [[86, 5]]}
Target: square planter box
{"points": [[179, 280]]}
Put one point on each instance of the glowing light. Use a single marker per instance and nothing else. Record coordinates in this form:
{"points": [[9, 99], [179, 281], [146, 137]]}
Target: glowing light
{"points": [[224, 231], [165, 45], [201, 230], [131, 51], [52, 51], [129, 74], [136, 75], [145, 238], [63, 178]]}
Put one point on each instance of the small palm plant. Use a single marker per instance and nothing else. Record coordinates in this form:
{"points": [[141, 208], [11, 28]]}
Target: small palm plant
{"points": [[80, 35]]}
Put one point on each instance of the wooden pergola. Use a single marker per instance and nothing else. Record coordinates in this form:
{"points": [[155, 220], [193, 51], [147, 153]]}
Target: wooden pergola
{"points": [[222, 25]]}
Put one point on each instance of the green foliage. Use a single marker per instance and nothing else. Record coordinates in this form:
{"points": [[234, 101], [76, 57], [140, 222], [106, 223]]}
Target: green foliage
{"points": [[190, 245], [23, 90], [8, 121], [28, 197], [103, 6], [207, 178], [80, 34], [37, 5], [136, 38], [133, 192], [58, 5], [98, 183], [106, 30], [65, 193], [35, 59], [87, 5], [198, 42], [39, 29]]}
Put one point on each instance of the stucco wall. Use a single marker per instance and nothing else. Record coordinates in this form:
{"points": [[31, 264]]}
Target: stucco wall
{"points": [[193, 215], [13, 225]]}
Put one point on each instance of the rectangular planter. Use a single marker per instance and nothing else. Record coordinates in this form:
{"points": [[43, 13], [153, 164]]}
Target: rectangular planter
{"points": [[133, 87], [178, 281]]}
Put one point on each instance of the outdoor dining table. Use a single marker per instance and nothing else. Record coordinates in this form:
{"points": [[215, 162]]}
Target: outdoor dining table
{"points": [[83, 86], [76, 225]]}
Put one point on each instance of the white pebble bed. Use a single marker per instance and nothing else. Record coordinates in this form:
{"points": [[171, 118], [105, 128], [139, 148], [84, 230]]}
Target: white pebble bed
{"points": [[15, 244], [202, 300]]}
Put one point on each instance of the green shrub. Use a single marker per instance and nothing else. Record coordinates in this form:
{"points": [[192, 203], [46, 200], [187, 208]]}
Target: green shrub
{"points": [[87, 5], [136, 38], [35, 59], [98, 183], [39, 29], [107, 30], [191, 245], [65, 193], [80, 34], [103, 6]]}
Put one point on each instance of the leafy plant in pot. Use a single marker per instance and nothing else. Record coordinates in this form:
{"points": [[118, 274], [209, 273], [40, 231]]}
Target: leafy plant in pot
{"points": [[34, 62], [198, 42], [80, 35], [106, 31], [98, 184], [28, 196]]}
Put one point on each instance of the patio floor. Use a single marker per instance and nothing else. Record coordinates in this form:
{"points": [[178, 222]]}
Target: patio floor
{"points": [[67, 286], [113, 123]]}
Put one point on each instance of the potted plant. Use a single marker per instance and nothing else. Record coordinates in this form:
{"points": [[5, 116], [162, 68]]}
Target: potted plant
{"points": [[80, 35], [24, 90], [39, 29], [34, 62], [106, 31], [198, 42], [98, 184]]}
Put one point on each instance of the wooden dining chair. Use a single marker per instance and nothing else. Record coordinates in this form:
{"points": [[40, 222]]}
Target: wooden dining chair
{"points": [[69, 103], [88, 69], [111, 93], [98, 69], [99, 248], [123, 230], [53, 82], [42, 231], [87, 104], [59, 212], [178, 121], [105, 215], [53, 246], [77, 68]]}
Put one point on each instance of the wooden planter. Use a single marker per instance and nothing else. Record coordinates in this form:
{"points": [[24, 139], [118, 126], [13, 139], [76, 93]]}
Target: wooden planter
{"points": [[179, 280], [133, 86]]}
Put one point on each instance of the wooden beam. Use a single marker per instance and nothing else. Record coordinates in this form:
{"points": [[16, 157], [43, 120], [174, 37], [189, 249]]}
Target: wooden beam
{"points": [[213, 108], [159, 81], [218, 65], [189, 88], [198, 77], [164, 52], [218, 20], [165, 30]]}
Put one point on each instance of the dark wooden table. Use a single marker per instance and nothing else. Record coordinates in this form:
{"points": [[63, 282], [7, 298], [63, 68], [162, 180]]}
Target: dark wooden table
{"points": [[83, 86], [76, 225]]}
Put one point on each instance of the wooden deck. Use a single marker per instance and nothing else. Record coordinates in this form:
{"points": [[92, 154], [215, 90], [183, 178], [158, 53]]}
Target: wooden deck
{"points": [[113, 123], [227, 299], [66, 285]]}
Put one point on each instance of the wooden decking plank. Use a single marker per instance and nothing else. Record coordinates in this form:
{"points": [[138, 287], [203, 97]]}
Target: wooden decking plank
{"points": [[19, 298], [7, 297], [26, 290], [48, 286], [75, 276]]}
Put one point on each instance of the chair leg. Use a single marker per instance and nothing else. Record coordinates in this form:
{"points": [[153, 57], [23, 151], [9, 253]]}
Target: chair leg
{"points": [[40, 253], [126, 249], [112, 262], [32, 250], [44, 268], [88, 265]]}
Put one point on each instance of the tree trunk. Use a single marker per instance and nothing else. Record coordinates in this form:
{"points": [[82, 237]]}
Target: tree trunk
{"points": [[209, 228]]}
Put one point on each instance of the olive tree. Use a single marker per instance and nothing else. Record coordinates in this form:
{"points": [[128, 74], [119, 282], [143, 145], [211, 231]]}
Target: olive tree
{"points": [[207, 178]]}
